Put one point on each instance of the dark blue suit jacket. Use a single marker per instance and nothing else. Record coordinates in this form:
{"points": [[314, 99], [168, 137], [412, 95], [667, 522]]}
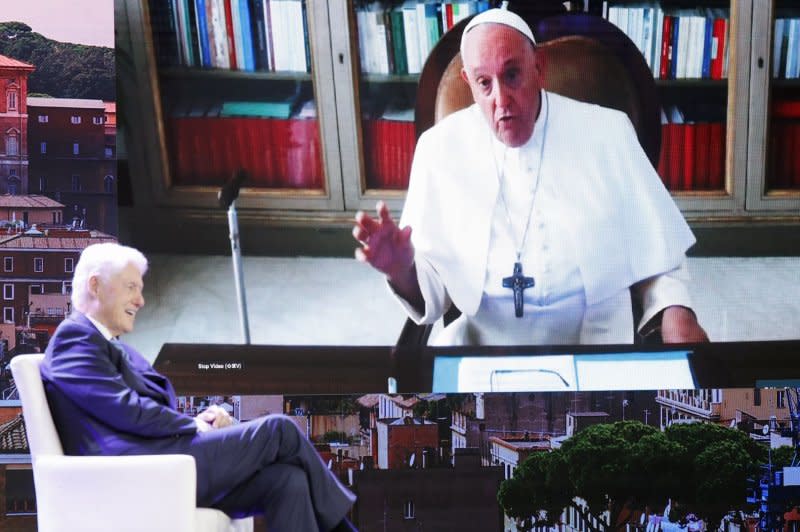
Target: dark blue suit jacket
{"points": [[106, 403]]}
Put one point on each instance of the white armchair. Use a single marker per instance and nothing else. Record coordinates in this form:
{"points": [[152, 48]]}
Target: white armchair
{"points": [[102, 493]]}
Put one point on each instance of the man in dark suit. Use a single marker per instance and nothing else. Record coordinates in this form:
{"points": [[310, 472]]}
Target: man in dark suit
{"points": [[107, 399]]}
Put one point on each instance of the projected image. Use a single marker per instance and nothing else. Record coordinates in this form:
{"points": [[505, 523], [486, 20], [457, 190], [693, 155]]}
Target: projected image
{"points": [[601, 460]]}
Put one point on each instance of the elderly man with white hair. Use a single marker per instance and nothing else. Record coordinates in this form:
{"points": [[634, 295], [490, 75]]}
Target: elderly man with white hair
{"points": [[533, 213], [106, 399]]}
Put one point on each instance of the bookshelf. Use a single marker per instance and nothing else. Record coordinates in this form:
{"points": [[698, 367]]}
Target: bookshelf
{"points": [[364, 124]]}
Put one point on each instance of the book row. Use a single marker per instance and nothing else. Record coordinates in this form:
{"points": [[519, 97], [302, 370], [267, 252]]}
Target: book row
{"points": [[388, 152], [249, 35], [679, 43], [286, 153], [784, 154], [396, 39], [786, 49], [692, 156], [276, 153]]}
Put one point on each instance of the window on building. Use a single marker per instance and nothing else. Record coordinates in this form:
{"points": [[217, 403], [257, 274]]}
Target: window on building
{"points": [[108, 184], [75, 119], [97, 120], [37, 289], [12, 146], [42, 147], [8, 314], [409, 512], [66, 287], [42, 183], [756, 396], [76, 148], [56, 217], [109, 152], [12, 189], [76, 183], [69, 264], [38, 264], [43, 119], [8, 264], [12, 100], [781, 399], [8, 291]]}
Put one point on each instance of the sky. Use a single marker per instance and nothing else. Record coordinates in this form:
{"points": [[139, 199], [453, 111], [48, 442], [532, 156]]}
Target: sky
{"points": [[75, 21]]}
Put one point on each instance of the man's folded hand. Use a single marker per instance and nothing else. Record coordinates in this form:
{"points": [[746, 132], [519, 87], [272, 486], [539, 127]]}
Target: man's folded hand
{"points": [[215, 416]]}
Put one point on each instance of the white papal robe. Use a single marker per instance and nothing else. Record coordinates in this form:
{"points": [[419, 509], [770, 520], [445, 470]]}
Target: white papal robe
{"points": [[600, 221]]}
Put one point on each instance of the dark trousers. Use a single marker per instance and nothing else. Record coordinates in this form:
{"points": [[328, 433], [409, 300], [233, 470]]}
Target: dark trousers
{"points": [[268, 466]]}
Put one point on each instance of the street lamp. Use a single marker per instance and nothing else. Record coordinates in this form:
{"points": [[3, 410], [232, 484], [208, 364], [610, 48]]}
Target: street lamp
{"points": [[624, 404]]}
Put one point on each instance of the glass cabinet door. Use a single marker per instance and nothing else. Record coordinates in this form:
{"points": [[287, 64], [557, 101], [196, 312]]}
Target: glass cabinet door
{"points": [[697, 53], [774, 162], [244, 84], [388, 46]]}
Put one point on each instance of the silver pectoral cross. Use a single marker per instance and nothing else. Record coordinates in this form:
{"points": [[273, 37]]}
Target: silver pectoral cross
{"points": [[518, 283]]}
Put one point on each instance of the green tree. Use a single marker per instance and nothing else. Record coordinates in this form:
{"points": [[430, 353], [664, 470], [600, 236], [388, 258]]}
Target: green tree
{"points": [[64, 70], [538, 491], [627, 466]]}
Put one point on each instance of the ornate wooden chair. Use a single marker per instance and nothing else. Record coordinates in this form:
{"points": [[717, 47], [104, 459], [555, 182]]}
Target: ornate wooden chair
{"points": [[585, 57]]}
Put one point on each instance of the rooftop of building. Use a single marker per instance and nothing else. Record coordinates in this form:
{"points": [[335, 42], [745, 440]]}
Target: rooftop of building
{"points": [[69, 103], [21, 241], [8, 62], [29, 201]]}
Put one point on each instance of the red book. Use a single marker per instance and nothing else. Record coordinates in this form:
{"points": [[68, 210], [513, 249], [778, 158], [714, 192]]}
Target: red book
{"points": [[663, 154], [795, 134], [786, 109], [718, 36], [229, 31], [317, 169], [702, 137], [268, 156], [178, 147], [223, 144], [242, 148], [280, 152], [666, 47], [407, 154], [384, 139], [304, 154], [449, 15], [786, 157], [689, 134], [675, 154], [716, 156], [397, 159]]}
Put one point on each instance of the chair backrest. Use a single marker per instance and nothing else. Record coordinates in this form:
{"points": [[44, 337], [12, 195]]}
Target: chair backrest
{"points": [[584, 57], [42, 435]]}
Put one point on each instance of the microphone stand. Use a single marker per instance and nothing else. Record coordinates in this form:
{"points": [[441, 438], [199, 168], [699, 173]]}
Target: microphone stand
{"points": [[227, 200]]}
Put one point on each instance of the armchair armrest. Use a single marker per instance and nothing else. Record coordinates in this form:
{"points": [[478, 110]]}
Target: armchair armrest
{"points": [[101, 493]]}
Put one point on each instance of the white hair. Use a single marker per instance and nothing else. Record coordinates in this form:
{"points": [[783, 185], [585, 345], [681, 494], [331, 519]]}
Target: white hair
{"points": [[103, 260]]}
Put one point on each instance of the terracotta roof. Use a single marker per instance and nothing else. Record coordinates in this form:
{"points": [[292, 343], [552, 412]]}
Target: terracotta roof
{"points": [[51, 242], [8, 62], [13, 438], [369, 401], [31, 201], [65, 102]]}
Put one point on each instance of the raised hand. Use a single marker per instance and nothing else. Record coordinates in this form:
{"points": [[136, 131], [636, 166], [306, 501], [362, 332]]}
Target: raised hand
{"points": [[388, 249]]}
